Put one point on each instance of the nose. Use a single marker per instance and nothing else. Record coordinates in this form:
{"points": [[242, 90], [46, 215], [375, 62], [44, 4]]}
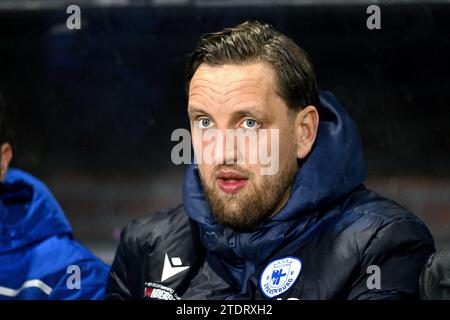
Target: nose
{"points": [[226, 148], [219, 146]]}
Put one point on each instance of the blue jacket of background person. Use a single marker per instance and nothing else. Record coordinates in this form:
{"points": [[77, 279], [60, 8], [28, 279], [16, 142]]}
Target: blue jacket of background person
{"points": [[38, 257]]}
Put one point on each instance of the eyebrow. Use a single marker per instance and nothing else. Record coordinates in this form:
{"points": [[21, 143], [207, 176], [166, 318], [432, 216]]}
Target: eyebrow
{"points": [[250, 112], [196, 111]]}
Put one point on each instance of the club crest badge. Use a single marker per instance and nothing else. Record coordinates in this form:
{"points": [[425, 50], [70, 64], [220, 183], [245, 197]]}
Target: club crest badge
{"points": [[279, 276]]}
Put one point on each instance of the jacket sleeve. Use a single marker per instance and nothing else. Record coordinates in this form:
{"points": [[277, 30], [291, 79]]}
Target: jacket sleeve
{"points": [[434, 280], [92, 282], [391, 262], [120, 277]]}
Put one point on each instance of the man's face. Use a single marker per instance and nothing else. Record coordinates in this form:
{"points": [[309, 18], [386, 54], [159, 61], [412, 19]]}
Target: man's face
{"points": [[242, 97]]}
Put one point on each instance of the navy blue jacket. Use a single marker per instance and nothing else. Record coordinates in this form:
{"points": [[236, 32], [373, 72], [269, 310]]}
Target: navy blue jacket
{"points": [[333, 239], [37, 249]]}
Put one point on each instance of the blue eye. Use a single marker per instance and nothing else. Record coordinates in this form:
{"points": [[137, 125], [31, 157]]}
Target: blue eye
{"points": [[204, 123], [250, 124]]}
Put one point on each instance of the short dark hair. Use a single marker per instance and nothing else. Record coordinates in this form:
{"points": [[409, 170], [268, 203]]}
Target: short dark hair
{"points": [[254, 41]]}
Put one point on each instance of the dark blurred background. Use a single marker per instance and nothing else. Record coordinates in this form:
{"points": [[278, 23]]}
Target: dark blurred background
{"points": [[92, 110]]}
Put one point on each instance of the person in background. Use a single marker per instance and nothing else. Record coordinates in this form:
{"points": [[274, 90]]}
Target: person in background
{"points": [[39, 259], [434, 280]]}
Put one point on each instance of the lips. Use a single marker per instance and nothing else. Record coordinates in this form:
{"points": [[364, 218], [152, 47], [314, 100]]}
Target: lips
{"points": [[231, 181]]}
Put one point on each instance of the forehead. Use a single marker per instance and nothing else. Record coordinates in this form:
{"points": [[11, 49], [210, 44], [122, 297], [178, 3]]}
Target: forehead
{"points": [[231, 85]]}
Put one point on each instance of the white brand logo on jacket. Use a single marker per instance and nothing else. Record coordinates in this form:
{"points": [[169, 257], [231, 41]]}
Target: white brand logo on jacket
{"points": [[279, 276], [172, 267]]}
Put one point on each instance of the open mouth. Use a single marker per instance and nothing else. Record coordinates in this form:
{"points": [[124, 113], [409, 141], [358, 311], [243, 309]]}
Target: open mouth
{"points": [[231, 181]]}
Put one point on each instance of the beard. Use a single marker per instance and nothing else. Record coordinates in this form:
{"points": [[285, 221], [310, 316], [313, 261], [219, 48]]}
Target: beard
{"points": [[249, 207]]}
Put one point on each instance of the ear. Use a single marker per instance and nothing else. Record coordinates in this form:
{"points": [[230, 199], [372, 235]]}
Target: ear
{"points": [[6, 154], [306, 126]]}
